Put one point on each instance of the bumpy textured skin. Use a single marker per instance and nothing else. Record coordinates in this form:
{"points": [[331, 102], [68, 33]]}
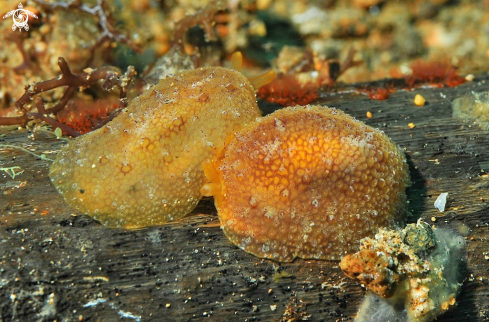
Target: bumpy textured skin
{"points": [[307, 182], [144, 167]]}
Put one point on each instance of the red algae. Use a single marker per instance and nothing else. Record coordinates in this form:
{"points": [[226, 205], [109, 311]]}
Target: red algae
{"points": [[377, 94], [83, 115], [287, 90], [433, 73]]}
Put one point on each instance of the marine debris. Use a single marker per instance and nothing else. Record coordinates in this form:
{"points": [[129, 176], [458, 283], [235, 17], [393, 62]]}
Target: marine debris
{"points": [[441, 201]]}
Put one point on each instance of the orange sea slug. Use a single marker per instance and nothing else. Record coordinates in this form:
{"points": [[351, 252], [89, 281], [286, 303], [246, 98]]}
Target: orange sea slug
{"points": [[306, 182], [144, 167]]}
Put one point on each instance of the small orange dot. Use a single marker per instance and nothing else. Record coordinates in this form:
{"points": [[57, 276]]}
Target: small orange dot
{"points": [[452, 300], [411, 125], [419, 100], [369, 114]]}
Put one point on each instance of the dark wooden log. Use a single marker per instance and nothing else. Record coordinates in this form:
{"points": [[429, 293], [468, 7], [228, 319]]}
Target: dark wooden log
{"points": [[57, 264]]}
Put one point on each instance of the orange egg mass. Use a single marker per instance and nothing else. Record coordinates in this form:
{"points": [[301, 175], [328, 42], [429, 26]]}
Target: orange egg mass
{"points": [[306, 182]]}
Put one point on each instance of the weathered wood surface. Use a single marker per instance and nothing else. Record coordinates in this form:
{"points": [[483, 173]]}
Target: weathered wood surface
{"points": [[56, 264]]}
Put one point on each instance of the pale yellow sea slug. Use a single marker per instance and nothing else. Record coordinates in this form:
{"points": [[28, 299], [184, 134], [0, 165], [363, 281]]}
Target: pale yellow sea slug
{"points": [[144, 167], [307, 182]]}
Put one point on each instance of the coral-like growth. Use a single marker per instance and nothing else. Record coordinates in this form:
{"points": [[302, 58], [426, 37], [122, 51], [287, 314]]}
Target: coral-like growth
{"points": [[413, 275], [109, 76]]}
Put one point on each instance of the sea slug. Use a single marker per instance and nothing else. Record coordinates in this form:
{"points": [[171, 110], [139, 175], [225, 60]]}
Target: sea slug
{"points": [[413, 275], [144, 167], [306, 182]]}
